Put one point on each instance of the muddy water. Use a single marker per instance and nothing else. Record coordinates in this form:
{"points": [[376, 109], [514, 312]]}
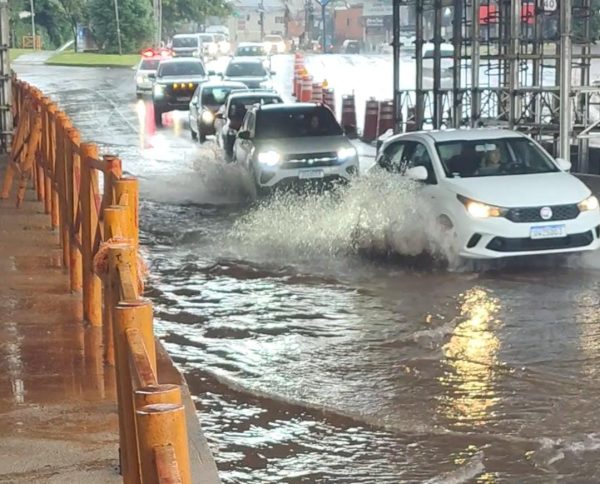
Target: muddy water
{"points": [[311, 362]]}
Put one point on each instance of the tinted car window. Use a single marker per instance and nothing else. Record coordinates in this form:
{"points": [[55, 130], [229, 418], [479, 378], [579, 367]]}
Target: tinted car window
{"points": [[240, 105], [207, 38], [215, 95], [243, 69], [149, 64], [181, 69], [185, 42], [250, 50], [296, 123]]}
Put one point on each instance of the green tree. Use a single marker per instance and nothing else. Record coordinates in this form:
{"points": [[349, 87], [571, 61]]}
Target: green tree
{"points": [[73, 13], [176, 12], [136, 25]]}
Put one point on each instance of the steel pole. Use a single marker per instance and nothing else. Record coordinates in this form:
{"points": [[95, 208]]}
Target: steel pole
{"points": [[565, 80], [324, 28], [6, 121], [475, 58], [118, 26], [396, 67], [32, 22], [515, 27]]}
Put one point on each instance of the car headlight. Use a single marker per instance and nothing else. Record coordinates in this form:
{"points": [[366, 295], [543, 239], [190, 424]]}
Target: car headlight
{"points": [[267, 46], [140, 79], [590, 203], [481, 210], [158, 90], [281, 47], [346, 153], [266, 84], [208, 117], [197, 53], [269, 158]]}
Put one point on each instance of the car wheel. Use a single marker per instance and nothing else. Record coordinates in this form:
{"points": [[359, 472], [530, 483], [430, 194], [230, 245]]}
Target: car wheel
{"points": [[194, 134], [158, 116], [201, 135]]}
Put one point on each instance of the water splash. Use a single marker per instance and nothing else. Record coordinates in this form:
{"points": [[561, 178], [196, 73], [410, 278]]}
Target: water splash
{"points": [[378, 214]]}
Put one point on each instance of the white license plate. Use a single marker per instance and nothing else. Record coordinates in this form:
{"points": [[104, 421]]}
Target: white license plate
{"points": [[548, 232], [183, 99], [311, 174]]}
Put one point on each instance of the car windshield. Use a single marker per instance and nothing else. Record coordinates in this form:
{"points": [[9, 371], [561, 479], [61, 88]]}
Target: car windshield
{"points": [[207, 38], [174, 69], [296, 123], [250, 50], [240, 104], [213, 96], [494, 157], [185, 42], [245, 69], [149, 64]]}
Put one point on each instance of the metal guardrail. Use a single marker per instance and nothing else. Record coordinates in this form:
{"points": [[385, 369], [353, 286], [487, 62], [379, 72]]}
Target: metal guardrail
{"points": [[99, 239]]}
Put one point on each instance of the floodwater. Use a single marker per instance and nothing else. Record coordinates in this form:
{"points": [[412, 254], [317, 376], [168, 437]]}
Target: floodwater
{"points": [[310, 361]]}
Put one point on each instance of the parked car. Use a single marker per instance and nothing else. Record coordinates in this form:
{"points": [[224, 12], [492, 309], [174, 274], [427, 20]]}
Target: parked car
{"points": [[230, 117], [497, 193], [176, 81], [250, 49], [186, 45], [282, 144], [206, 102], [274, 44], [249, 70]]}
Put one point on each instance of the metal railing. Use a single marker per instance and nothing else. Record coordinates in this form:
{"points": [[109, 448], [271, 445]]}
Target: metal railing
{"points": [[99, 239]]}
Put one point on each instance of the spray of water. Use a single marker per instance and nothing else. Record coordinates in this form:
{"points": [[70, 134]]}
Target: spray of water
{"points": [[378, 214]]}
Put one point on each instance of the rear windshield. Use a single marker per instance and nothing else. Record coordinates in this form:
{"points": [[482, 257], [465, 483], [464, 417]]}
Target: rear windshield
{"points": [[239, 105], [207, 37], [181, 69], [296, 123], [213, 96], [250, 50], [243, 69], [185, 42], [149, 64]]}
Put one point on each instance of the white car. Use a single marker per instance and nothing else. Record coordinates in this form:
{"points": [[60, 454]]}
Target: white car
{"points": [[287, 144], [210, 46], [496, 193], [274, 44], [145, 69]]}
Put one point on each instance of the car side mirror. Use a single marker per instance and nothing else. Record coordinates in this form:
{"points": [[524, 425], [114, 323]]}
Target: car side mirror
{"points": [[152, 76], [417, 173], [564, 165], [194, 102], [212, 73], [219, 115], [244, 135]]}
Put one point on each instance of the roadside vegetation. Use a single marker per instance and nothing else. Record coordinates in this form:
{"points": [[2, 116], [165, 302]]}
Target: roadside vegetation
{"points": [[57, 21], [88, 59]]}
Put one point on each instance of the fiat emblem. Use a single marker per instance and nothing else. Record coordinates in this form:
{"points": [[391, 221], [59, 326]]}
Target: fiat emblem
{"points": [[546, 213]]}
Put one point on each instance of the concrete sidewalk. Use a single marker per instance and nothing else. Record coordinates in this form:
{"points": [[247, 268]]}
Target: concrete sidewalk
{"points": [[58, 416], [58, 419]]}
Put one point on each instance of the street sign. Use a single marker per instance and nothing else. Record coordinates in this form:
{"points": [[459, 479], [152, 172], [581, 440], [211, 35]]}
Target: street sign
{"points": [[550, 5], [377, 8], [323, 3]]}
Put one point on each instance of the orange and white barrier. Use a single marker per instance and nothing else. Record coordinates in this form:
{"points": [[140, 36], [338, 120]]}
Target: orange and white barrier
{"points": [[371, 120], [386, 117], [317, 93], [348, 120]]}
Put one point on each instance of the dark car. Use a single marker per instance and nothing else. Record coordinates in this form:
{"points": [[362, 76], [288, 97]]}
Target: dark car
{"points": [[351, 47], [249, 70], [206, 101], [176, 81], [250, 49], [229, 119]]}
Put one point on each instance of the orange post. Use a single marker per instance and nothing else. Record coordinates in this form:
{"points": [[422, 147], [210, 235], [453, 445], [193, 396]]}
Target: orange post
{"points": [[46, 155], [62, 124], [114, 171], [131, 315], [28, 165], [166, 393], [162, 425], [127, 195], [54, 209], [92, 286], [73, 140]]}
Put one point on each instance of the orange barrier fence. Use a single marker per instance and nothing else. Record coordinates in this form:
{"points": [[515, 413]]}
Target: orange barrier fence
{"points": [[99, 239]]}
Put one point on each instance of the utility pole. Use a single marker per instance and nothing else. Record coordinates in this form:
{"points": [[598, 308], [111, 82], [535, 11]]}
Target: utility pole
{"points": [[261, 19], [157, 22], [32, 22], [6, 121], [118, 26], [323, 4]]}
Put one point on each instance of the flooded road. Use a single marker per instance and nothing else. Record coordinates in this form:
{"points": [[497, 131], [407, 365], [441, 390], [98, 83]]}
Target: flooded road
{"points": [[311, 363]]}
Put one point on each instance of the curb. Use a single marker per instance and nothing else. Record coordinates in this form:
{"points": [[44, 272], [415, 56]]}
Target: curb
{"points": [[110, 66]]}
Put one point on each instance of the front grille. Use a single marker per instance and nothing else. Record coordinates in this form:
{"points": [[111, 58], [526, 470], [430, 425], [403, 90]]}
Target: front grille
{"points": [[504, 244], [532, 214], [309, 160]]}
